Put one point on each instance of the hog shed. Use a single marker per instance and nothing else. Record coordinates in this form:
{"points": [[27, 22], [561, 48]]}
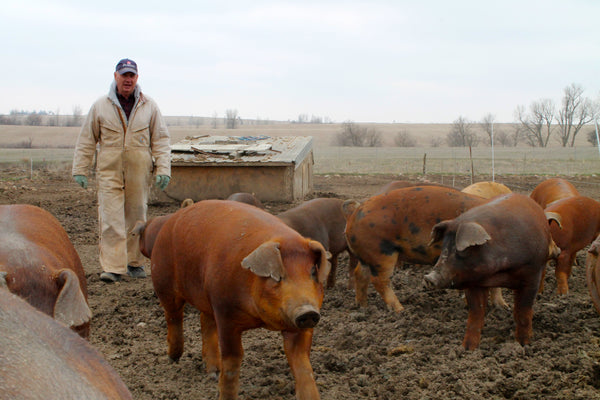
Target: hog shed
{"points": [[213, 167]]}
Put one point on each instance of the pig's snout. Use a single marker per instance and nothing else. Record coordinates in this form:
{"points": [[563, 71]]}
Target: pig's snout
{"points": [[306, 317], [433, 280]]}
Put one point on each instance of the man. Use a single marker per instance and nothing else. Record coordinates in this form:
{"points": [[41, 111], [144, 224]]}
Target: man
{"points": [[132, 140]]}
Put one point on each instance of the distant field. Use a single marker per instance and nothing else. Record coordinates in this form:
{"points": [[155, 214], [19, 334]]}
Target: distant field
{"points": [[54, 145]]}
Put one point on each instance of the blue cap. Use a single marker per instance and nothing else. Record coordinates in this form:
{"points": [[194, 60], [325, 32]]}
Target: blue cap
{"points": [[126, 65]]}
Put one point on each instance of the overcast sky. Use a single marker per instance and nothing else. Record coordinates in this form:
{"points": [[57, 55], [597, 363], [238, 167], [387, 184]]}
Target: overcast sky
{"points": [[365, 61]]}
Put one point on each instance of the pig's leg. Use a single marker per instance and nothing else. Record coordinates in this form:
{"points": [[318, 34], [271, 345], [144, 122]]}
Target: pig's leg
{"points": [[297, 350], [352, 263], [361, 282], [174, 316], [210, 344], [564, 264], [523, 314], [230, 342], [496, 298], [476, 300], [381, 283], [332, 272]]}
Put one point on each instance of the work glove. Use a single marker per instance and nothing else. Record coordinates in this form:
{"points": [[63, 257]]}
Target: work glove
{"points": [[81, 180], [162, 181]]}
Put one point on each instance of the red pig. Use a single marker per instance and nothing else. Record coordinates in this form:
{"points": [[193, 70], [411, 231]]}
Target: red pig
{"points": [[393, 185], [243, 268], [41, 265], [42, 359], [503, 243], [322, 219], [396, 226], [579, 225], [551, 190]]}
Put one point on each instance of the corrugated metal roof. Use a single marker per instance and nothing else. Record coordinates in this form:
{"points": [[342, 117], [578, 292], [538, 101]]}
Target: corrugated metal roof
{"points": [[240, 150]]}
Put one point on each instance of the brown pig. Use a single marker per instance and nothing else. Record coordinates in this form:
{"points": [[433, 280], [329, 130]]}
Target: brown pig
{"points": [[579, 225], [551, 190], [393, 185], [592, 275], [248, 198], [396, 226], [42, 359], [322, 219], [503, 243], [41, 265], [242, 268], [487, 190]]}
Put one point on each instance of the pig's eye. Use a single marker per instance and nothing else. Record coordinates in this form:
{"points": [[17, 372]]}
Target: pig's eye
{"points": [[313, 272]]}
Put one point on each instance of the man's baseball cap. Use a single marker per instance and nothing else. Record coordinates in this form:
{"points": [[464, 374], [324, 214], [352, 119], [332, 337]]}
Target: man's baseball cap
{"points": [[126, 65]]}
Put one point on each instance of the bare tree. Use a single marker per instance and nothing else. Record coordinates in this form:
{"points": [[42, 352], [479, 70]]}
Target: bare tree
{"points": [[215, 120], [404, 139], [487, 124], [231, 119], [353, 134], [540, 116], [576, 111], [462, 134], [76, 117]]}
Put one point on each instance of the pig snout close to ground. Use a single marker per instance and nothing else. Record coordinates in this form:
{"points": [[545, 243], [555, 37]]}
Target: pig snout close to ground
{"points": [[242, 268], [395, 226], [39, 263], [579, 225], [551, 190], [503, 243], [43, 359], [322, 219]]}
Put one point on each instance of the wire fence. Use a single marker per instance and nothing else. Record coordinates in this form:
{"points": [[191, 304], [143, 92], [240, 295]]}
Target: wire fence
{"points": [[457, 160], [395, 160]]}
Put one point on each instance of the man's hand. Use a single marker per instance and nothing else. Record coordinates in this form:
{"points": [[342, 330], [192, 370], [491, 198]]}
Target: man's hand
{"points": [[81, 180], [162, 181]]}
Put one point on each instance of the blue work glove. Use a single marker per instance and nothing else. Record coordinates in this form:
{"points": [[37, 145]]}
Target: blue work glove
{"points": [[162, 181], [81, 180]]}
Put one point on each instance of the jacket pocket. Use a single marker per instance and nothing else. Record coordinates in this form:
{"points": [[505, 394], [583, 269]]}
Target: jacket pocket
{"points": [[110, 134]]}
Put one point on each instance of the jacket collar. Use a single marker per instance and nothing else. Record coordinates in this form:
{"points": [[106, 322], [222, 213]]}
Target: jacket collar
{"points": [[112, 94]]}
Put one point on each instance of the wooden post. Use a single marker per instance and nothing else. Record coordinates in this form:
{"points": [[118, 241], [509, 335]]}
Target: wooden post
{"points": [[425, 164], [471, 157]]}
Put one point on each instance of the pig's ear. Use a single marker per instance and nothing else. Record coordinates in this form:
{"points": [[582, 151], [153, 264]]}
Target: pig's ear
{"points": [[265, 261], [470, 234], [438, 231], [138, 228], [70, 308], [348, 207], [324, 264], [552, 216]]}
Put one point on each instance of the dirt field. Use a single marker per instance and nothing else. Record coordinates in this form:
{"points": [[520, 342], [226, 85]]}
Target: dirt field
{"points": [[357, 353]]}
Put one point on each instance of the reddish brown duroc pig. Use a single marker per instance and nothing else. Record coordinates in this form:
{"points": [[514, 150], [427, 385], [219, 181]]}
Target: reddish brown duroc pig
{"points": [[243, 268], [41, 265], [503, 243], [393, 185], [396, 226], [579, 226], [42, 359], [248, 198], [551, 190], [322, 219], [592, 267]]}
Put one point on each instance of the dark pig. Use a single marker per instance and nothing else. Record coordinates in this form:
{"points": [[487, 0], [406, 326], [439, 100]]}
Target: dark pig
{"points": [[42, 266], [42, 359], [248, 198], [396, 226], [242, 268], [503, 243], [323, 220]]}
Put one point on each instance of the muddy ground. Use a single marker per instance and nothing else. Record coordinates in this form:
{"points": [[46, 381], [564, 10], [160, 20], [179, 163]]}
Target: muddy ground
{"points": [[357, 353]]}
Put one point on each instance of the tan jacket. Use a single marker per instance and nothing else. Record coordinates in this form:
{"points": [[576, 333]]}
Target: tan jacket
{"points": [[143, 140]]}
